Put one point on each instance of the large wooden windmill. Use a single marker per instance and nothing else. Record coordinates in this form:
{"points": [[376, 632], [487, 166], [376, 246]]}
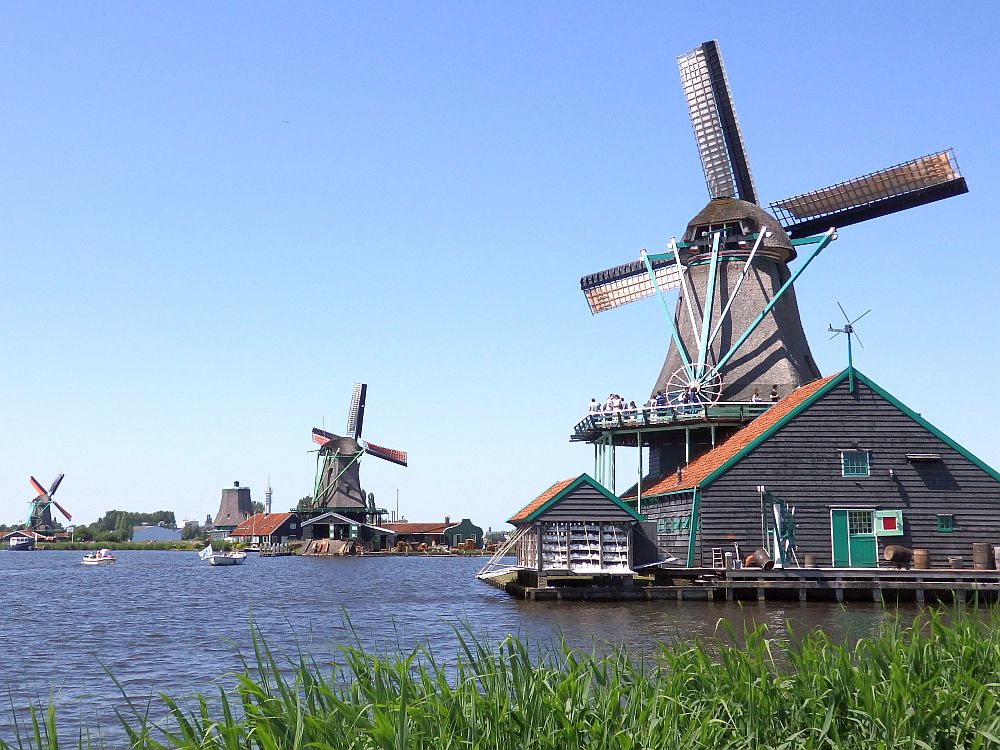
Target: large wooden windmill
{"points": [[735, 325], [338, 481]]}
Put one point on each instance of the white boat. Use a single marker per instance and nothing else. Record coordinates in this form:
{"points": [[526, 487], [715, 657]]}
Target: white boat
{"points": [[21, 543], [101, 557], [222, 558]]}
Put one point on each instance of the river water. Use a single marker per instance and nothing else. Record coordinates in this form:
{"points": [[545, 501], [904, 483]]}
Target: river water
{"points": [[168, 622]]}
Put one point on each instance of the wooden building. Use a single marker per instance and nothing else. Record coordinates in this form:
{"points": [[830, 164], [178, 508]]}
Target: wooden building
{"points": [[268, 529], [459, 533], [851, 468], [577, 528], [319, 531], [436, 533]]}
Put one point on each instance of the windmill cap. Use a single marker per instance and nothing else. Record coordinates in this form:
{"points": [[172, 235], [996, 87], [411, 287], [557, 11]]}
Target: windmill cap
{"points": [[720, 211]]}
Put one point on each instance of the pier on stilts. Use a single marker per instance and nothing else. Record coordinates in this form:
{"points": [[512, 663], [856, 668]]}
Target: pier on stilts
{"points": [[842, 585]]}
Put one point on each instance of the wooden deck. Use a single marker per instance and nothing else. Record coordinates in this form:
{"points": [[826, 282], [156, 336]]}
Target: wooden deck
{"points": [[844, 585]]}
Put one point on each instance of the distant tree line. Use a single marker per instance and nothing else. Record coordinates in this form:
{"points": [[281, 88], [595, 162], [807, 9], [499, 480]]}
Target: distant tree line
{"points": [[116, 526]]}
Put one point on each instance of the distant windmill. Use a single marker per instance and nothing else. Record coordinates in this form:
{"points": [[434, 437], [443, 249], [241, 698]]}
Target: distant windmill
{"points": [[40, 509], [849, 331], [338, 482]]}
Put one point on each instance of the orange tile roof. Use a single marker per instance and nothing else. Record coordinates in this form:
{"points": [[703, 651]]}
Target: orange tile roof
{"points": [[539, 501], [699, 470], [417, 528], [260, 524]]}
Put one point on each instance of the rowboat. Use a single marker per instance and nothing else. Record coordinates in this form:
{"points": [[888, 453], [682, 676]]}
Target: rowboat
{"points": [[222, 558], [229, 558]]}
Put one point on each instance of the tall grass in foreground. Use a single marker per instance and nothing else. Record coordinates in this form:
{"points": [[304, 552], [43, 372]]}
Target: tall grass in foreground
{"points": [[931, 685]]}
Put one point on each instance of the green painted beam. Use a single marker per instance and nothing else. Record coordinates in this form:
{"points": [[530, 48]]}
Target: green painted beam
{"points": [[826, 240], [666, 310]]}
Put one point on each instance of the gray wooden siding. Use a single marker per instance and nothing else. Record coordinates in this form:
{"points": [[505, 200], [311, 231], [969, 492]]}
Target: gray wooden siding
{"points": [[585, 503], [801, 463], [666, 509]]}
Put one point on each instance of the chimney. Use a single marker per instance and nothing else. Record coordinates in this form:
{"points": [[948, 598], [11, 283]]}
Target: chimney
{"points": [[236, 484], [447, 520]]}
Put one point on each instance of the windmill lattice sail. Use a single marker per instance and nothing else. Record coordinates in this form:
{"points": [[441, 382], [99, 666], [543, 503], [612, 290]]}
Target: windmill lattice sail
{"points": [[913, 183], [716, 129], [626, 283]]}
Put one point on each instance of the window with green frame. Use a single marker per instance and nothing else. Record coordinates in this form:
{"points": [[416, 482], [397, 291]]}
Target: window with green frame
{"points": [[661, 525], [946, 523], [854, 463]]}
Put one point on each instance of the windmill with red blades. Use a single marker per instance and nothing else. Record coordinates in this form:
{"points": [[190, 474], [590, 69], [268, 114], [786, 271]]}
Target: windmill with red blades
{"points": [[40, 509], [338, 482]]}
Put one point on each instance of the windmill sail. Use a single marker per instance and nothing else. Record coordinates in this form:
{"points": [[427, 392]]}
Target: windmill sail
{"points": [[716, 129], [388, 454], [356, 414], [627, 283], [923, 180]]}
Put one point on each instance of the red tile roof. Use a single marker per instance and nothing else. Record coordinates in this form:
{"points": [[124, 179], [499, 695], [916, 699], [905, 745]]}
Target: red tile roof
{"points": [[699, 470], [417, 528], [260, 524], [539, 501]]}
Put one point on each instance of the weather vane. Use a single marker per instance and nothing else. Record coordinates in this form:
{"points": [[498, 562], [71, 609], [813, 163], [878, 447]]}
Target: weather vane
{"points": [[848, 329]]}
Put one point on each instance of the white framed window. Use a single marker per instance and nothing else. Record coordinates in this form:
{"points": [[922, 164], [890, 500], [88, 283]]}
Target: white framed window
{"points": [[854, 464]]}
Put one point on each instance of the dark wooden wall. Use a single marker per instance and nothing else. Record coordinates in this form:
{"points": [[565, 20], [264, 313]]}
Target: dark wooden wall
{"points": [[667, 508], [585, 504], [801, 463]]}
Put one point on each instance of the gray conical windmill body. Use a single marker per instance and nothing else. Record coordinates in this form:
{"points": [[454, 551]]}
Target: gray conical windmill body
{"points": [[735, 327]]}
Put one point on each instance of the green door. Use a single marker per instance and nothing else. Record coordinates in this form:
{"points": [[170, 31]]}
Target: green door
{"points": [[841, 542], [854, 539]]}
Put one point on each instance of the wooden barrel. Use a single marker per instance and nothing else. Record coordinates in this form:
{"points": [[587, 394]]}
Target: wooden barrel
{"points": [[982, 556], [898, 555], [762, 560], [921, 559]]}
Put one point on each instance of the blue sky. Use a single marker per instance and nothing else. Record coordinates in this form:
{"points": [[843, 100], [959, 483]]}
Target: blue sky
{"points": [[214, 218]]}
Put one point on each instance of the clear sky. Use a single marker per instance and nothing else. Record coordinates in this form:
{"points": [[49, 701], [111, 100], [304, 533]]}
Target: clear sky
{"points": [[215, 218]]}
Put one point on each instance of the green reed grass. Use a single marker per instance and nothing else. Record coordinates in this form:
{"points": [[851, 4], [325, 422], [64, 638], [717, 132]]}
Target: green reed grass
{"points": [[931, 685]]}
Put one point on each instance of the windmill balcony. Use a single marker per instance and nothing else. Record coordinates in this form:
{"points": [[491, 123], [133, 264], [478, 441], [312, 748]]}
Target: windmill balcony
{"points": [[596, 424]]}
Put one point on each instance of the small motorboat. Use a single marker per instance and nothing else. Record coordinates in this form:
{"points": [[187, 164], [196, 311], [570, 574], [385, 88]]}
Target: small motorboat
{"points": [[101, 557], [222, 558]]}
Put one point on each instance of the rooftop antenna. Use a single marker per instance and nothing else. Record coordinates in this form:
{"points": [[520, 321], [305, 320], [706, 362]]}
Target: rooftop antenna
{"points": [[848, 329]]}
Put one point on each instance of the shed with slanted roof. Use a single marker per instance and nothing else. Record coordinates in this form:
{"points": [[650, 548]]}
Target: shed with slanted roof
{"points": [[838, 469], [268, 528], [577, 527]]}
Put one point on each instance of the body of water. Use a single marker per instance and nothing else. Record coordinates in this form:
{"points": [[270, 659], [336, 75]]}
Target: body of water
{"points": [[168, 622]]}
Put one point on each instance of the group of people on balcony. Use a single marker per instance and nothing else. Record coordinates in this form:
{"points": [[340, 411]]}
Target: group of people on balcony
{"points": [[688, 400], [773, 397], [613, 403]]}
